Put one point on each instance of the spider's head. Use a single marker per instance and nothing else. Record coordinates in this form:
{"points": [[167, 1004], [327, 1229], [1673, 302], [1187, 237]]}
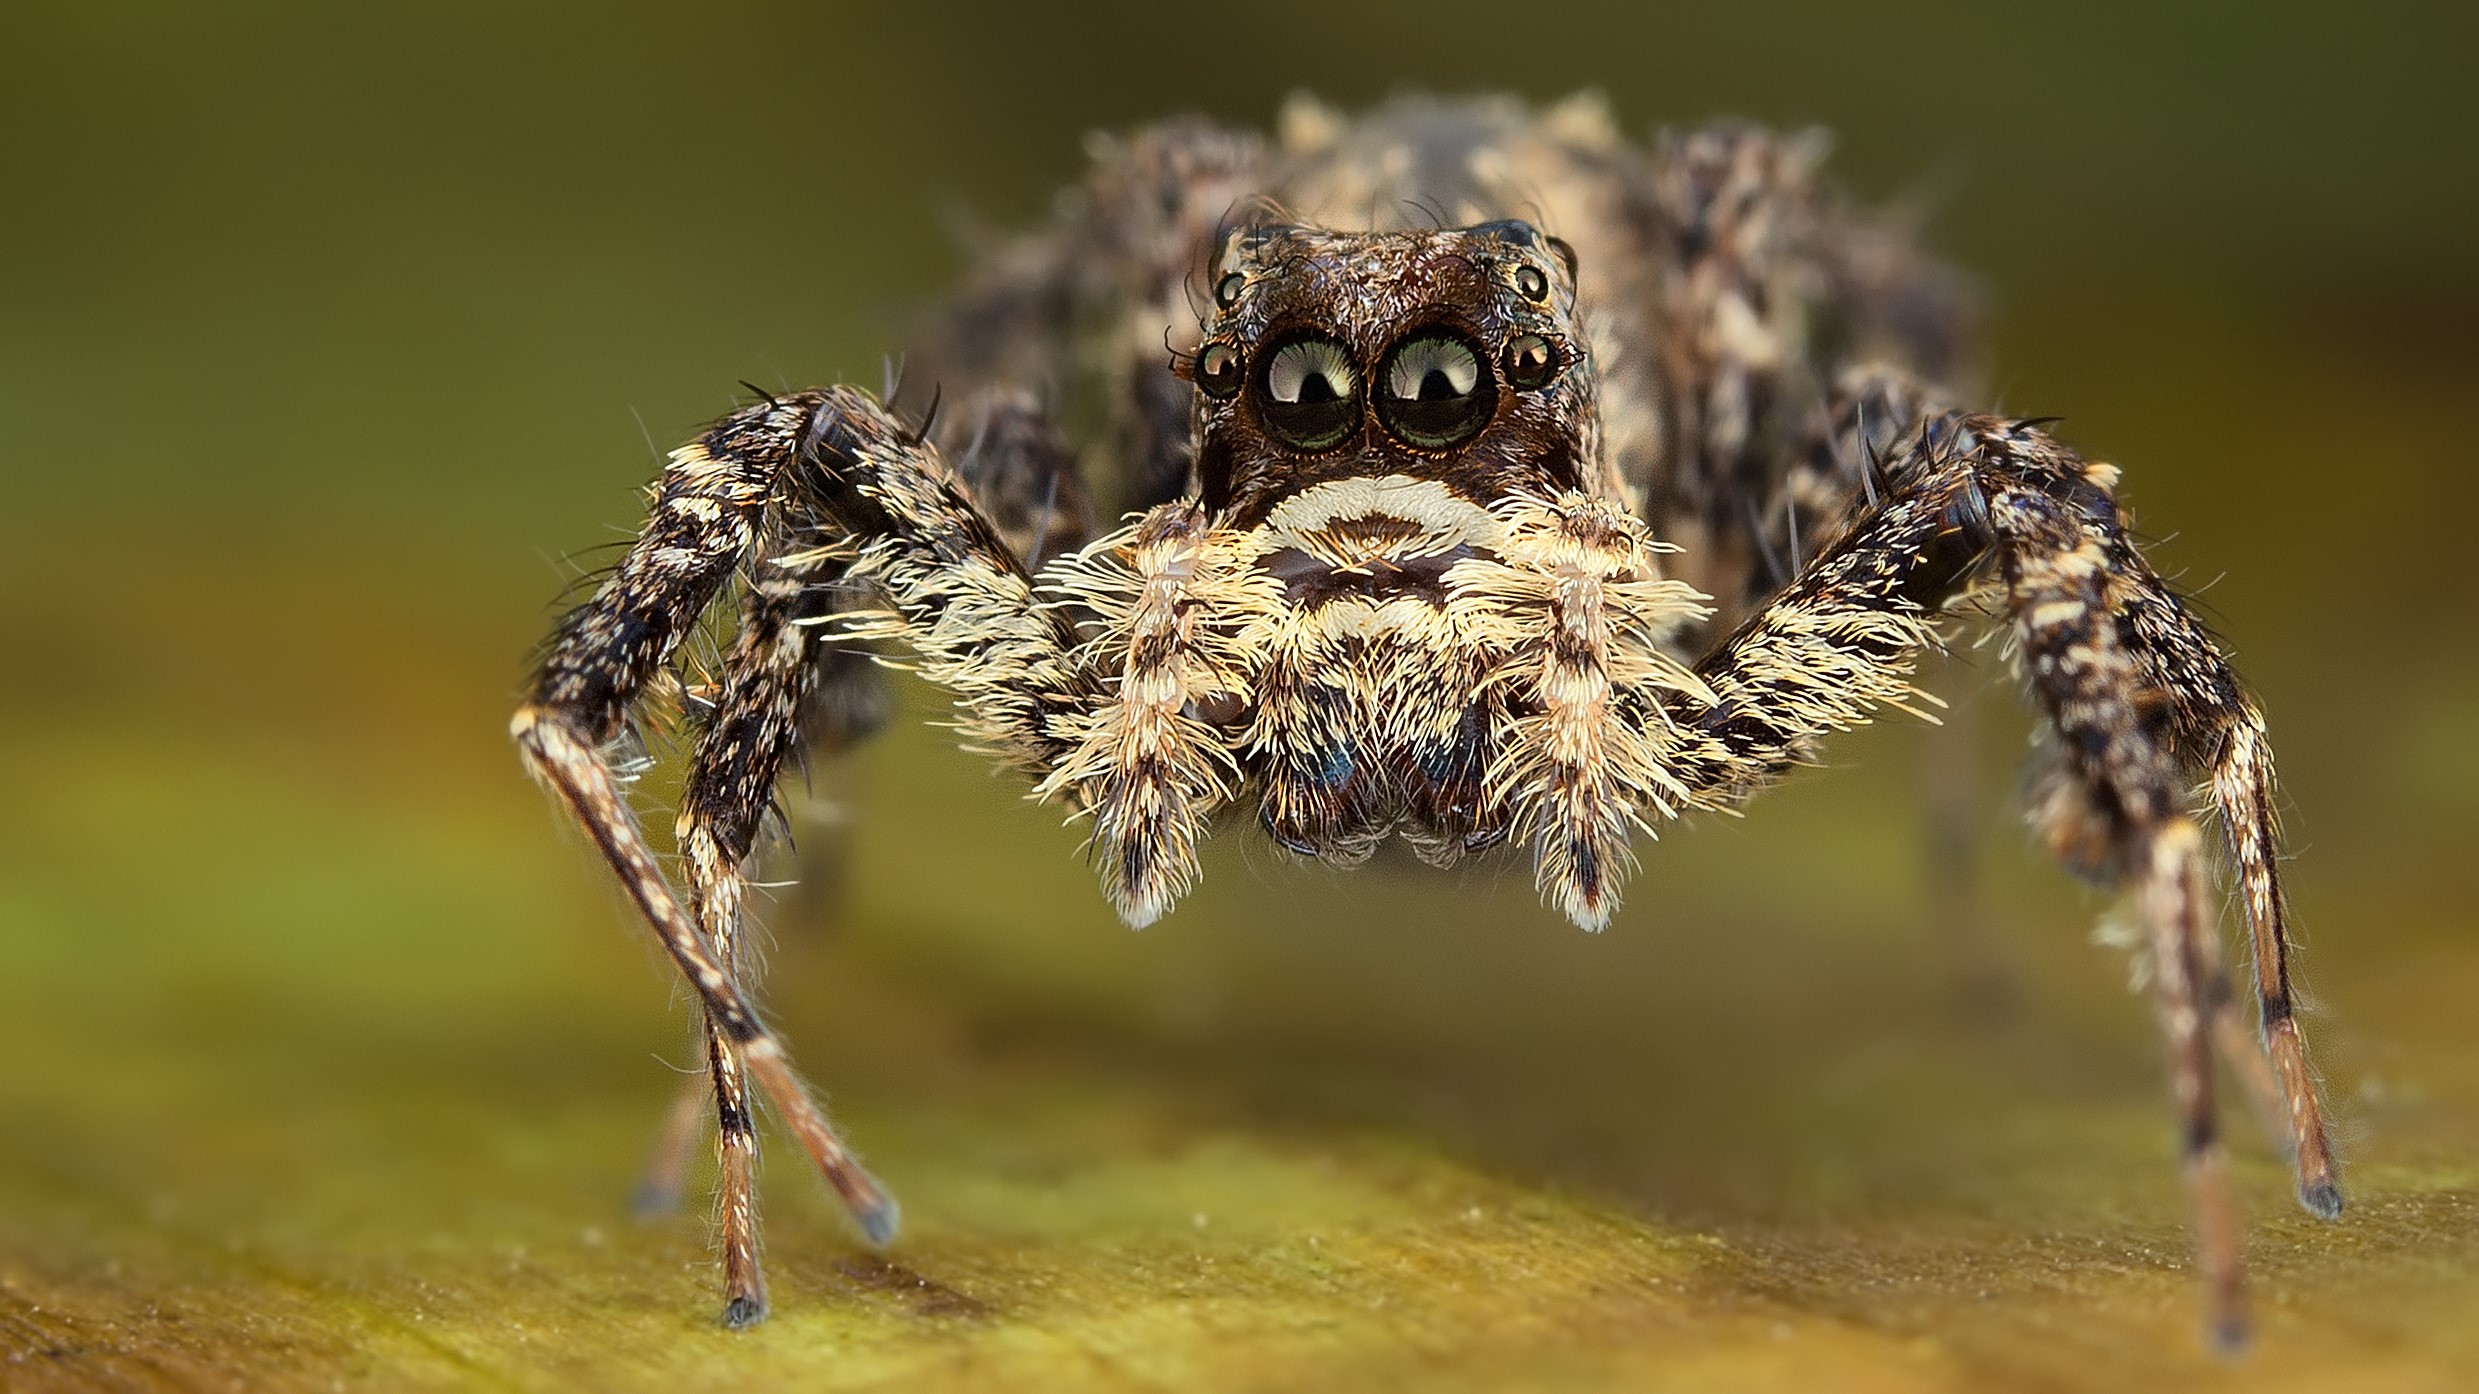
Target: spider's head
{"points": [[1448, 355]]}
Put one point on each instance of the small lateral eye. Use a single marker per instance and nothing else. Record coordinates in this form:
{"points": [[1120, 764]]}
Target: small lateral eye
{"points": [[1532, 283], [1227, 290], [1530, 360], [1218, 370], [1310, 395], [1437, 391]]}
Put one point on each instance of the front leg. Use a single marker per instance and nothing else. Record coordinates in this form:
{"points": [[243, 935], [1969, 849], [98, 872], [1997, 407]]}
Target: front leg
{"points": [[716, 508], [825, 501], [877, 497], [2137, 699]]}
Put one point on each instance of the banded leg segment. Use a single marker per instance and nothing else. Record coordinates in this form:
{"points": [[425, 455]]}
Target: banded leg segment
{"points": [[2134, 692], [581, 777], [709, 516], [842, 701], [755, 724], [708, 509], [783, 692], [2218, 728], [2185, 959], [2205, 723], [847, 702], [2129, 818]]}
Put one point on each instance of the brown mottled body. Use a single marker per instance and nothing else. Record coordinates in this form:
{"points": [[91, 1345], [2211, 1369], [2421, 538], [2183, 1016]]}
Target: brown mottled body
{"points": [[1489, 480]]}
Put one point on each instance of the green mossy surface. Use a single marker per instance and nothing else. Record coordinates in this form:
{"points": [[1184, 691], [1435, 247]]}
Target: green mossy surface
{"points": [[328, 1057]]}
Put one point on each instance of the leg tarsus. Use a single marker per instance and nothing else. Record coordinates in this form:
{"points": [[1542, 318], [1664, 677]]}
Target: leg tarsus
{"points": [[2244, 791], [881, 1222], [2242, 1048], [735, 1173], [741, 1313], [2140, 701], [2321, 1199]]}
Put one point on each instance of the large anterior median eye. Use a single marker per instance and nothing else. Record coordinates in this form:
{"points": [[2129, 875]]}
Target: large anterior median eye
{"points": [[1436, 391], [1310, 395]]}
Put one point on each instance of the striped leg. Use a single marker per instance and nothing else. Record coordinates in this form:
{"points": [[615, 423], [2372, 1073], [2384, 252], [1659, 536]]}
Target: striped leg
{"points": [[709, 514], [846, 703], [578, 773], [955, 594], [2221, 729], [1019, 473], [2136, 697], [2125, 817], [755, 724], [885, 515]]}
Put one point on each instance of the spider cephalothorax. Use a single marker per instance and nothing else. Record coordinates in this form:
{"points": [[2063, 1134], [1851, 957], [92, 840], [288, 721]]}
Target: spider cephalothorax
{"points": [[1391, 605], [1413, 517]]}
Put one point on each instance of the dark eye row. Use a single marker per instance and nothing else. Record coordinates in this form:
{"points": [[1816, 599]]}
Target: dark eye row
{"points": [[1433, 389]]}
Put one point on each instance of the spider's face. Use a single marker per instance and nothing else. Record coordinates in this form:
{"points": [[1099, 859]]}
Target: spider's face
{"points": [[1451, 356], [1395, 433]]}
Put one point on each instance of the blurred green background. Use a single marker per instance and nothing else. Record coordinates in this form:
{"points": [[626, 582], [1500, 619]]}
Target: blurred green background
{"points": [[328, 332]]}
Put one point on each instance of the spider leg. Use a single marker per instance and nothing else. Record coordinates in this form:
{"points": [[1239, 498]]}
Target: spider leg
{"points": [[2134, 691], [1018, 469], [882, 500], [1100, 715], [2175, 899], [2221, 722], [847, 703], [710, 512], [756, 723], [783, 687]]}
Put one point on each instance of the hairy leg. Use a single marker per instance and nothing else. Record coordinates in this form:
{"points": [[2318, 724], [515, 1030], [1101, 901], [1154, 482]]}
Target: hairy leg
{"points": [[2136, 693], [710, 516], [847, 704], [755, 724], [786, 689], [851, 528]]}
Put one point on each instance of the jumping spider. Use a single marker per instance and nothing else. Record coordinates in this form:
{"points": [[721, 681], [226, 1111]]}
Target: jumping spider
{"points": [[1490, 480]]}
